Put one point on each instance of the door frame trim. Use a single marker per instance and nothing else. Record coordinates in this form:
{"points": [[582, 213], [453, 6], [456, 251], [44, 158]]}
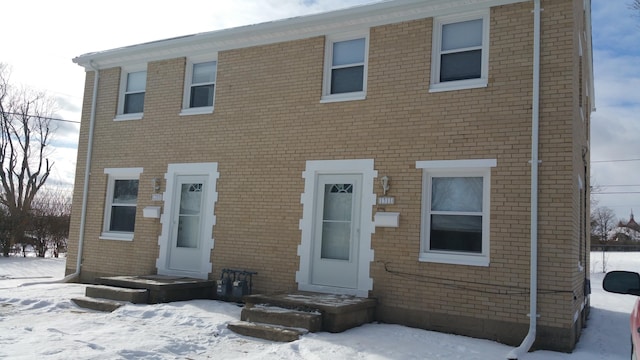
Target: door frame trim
{"points": [[314, 168], [210, 170]]}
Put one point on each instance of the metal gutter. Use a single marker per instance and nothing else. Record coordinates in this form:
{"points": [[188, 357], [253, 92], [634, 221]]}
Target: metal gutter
{"points": [[528, 341], [87, 174]]}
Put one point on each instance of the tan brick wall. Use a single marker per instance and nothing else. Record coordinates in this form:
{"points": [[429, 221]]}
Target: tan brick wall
{"points": [[268, 121]]}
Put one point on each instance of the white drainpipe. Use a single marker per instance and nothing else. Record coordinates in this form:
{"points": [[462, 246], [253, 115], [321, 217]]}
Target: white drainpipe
{"points": [[87, 173], [535, 120]]}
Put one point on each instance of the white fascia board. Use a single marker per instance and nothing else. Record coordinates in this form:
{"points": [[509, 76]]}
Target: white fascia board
{"points": [[302, 27]]}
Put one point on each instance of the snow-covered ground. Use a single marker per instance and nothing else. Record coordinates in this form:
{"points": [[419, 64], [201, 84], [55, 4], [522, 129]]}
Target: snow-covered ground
{"points": [[40, 322]]}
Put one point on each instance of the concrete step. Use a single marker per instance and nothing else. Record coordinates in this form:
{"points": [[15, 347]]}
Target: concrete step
{"points": [[163, 289], [312, 321], [98, 304], [135, 296], [339, 312], [266, 331]]}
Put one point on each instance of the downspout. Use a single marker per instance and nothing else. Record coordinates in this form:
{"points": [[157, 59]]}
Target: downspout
{"points": [[535, 121], [87, 173]]}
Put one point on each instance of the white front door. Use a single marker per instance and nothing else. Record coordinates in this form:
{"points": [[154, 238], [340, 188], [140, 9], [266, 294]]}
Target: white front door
{"points": [[186, 240], [187, 233], [336, 234]]}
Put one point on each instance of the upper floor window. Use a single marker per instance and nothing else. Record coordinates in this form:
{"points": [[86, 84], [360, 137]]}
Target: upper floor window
{"points": [[345, 76], [455, 211], [200, 83], [460, 52], [132, 90], [121, 203]]}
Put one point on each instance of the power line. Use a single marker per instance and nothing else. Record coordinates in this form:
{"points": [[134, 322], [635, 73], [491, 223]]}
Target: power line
{"points": [[615, 185], [616, 160], [614, 192], [44, 117]]}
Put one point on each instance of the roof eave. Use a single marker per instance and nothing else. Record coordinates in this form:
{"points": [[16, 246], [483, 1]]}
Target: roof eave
{"points": [[296, 28]]}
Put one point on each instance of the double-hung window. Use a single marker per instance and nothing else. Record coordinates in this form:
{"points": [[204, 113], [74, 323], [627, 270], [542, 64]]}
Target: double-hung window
{"points": [[345, 75], [133, 86], [121, 203], [455, 211], [460, 52], [200, 84]]}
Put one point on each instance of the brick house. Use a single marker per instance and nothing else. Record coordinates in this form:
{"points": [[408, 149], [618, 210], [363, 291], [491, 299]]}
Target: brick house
{"points": [[430, 154]]}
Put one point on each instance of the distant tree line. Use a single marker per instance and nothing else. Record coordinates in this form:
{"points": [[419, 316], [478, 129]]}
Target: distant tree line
{"points": [[46, 226]]}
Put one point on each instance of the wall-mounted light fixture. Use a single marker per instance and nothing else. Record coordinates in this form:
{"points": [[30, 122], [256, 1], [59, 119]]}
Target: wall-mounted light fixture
{"points": [[156, 184], [384, 199], [385, 184]]}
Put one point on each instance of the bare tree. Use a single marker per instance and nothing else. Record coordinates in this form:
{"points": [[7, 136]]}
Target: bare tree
{"points": [[602, 222], [25, 133]]}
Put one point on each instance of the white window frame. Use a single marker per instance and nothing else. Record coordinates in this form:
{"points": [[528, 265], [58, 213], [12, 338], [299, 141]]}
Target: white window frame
{"points": [[438, 23], [113, 175], [327, 96], [121, 116], [188, 78], [455, 168]]}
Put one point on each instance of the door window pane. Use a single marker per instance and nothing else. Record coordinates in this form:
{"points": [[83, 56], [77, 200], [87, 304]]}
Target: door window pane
{"points": [[337, 202], [335, 240], [190, 199], [188, 231], [189, 215], [336, 223]]}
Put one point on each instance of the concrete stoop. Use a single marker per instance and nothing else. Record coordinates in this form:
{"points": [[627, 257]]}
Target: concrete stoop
{"points": [[135, 296], [309, 320], [97, 304], [285, 317], [112, 292], [266, 331]]}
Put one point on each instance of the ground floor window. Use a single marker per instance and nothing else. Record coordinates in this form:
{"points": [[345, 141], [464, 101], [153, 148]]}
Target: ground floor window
{"points": [[121, 203], [455, 211]]}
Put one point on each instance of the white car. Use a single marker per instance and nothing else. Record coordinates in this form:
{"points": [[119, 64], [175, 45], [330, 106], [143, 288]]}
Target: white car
{"points": [[627, 282]]}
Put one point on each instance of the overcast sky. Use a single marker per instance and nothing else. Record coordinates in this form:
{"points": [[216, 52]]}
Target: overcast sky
{"points": [[45, 35]]}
